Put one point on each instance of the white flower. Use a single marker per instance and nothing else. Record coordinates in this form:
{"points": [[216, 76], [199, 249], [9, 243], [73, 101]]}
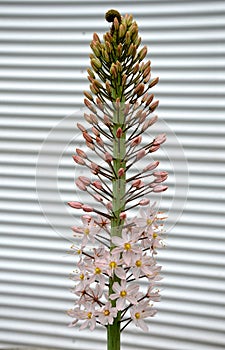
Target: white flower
{"points": [[141, 311], [124, 293]]}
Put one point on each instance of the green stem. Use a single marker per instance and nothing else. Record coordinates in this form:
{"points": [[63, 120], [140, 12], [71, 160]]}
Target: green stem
{"points": [[118, 206]]}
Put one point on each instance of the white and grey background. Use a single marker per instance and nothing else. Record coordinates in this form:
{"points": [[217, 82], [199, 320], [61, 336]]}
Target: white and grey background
{"points": [[44, 47]]}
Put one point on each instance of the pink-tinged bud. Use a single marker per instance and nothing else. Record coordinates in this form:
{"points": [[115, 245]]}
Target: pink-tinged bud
{"points": [[149, 99], [154, 82], [151, 166], [146, 72], [142, 117], [144, 202], [99, 141], [140, 154], [87, 208], [87, 137], [142, 53], [95, 131], [88, 95], [108, 157], [139, 89], [138, 183], [119, 133], [85, 180], [98, 198], [160, 173], [154, 148], [81, 153], [78, 160], [159, 188], [76, 205], [121, 172], [81, 127], [92, 119], [90, 106], [81, 185], [97, 184], [153, 106], [90, 145], [123, 215], [95, 168], [136, 141], [159, 139], [106, 120], [96, 38], [99, 104], [109, 206]]}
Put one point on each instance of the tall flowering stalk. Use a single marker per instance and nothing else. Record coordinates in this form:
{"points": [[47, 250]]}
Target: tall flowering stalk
{"points": [[123, 250]]}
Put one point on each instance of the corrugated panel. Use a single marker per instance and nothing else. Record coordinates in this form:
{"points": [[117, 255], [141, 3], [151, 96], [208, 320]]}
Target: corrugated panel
{"points": [[43, 56]]}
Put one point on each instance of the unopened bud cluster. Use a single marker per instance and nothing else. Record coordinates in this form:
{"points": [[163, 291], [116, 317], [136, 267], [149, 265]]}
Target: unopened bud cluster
{"points": [[121, 107]]}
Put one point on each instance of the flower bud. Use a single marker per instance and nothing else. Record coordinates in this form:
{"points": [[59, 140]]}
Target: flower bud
{"points": [[76, 205], [142, 53], [144, 202], [140, 154], [81, 153], [81, 185], [121, 172], [87, 208], [90, 106], [95, 131], [98, 198], [154, 82], [159, 188], [96, 38], [78, 160], [97, 184], [85, 180], [119, 132], [123, 215], [128, 38], [122, 30], [95, 49], [159, 139], [139, 89], [88, 95], [87, 137], [96, 63], [90, 72], [151, 166], [116, 23], [108, 157], [136, 141], [153, 106]]}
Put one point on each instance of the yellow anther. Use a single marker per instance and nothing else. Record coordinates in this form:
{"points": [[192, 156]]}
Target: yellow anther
{"points": [[86, 231], [127, 246], [106, 313], [82, 276], [138, 263], [89, 315], [148, 222], [123, 293], [155, 235], [137, 315], [98, 270], [113, 264]]}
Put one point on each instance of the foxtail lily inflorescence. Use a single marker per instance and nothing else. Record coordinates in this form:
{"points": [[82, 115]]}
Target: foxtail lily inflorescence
{"points": [[121, 107]]}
